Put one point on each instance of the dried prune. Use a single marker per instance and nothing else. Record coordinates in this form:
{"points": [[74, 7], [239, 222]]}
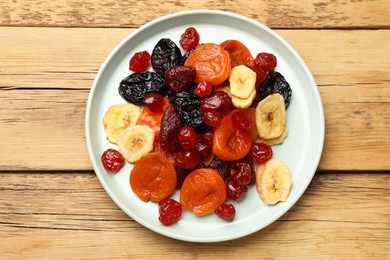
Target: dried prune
{"points": [[185, 56], [165, 55], [179, 78], [220, 166], [134, 87], [188, 106], [276, 83], [169, 131]]}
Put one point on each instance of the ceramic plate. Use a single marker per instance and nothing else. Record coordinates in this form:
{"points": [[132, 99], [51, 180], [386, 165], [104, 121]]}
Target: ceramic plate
{"points": [[301, 150]]}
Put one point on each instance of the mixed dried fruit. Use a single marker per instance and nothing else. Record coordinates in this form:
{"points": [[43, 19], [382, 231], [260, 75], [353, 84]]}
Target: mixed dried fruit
{"points": [[209, 119]]}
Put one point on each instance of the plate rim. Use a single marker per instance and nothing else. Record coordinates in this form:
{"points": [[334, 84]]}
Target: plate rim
{"points": [[228, 15]]}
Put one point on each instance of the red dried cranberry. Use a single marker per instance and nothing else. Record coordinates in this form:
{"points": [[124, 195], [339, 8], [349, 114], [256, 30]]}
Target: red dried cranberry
{"points": [[212, 118], [204, 145], [112, 160], [179, 78], [204, 88], [187, 137], [219, 101], [187, 159], [241, 173], [170, 211], [170, 127], [261, 152], [226, 212], [155, 102], [140, 61], [266, 61], [241, 121], [189, 39], [235, 191]]}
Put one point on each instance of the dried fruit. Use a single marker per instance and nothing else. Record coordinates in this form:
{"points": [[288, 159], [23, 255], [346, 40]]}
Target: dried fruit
{"points": [[187, 159], [112, 160], [204, 145], [212, 118], [170, 211], [155, 102], [140, 61], [219, 101], [239, 53], [170, 127], [266, 61], [165, 55], [276, 83], [235, 191], [179, 78], [241, 173], [204, 88], [261, 152], [134, 87], [188, 137], [189, 39], [181, 174], [221, 166], [226, 212], [241, 121]]}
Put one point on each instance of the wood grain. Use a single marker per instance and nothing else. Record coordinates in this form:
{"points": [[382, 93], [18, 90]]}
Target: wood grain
{"points": [[43, 215], [47, 94], [273, 13]]}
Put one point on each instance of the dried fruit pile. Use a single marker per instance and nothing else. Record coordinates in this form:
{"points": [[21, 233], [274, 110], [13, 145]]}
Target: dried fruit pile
{"points": [[208, 121]]}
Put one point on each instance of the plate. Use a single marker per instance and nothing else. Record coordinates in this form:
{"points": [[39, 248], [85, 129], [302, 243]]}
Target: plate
{"points": [[301, 150]]}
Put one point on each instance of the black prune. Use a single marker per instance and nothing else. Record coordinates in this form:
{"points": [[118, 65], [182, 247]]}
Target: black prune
{"points": [[221, 166], [134, 87], [186, 55], [165, 55], [188, 106], [276, 83], [169, 131]]}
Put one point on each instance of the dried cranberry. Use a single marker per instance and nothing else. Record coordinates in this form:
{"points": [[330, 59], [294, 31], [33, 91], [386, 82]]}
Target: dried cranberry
{"points": [[189, 39], [179, 78], [155, 102], [241, 173], [181, 174], [140, 61], [112, 160], [204, 88], [219, 101], [204, 145], [235, 191], [226, 212], [212, 118], [169, 130], [187, 137], [241, 121], [220, 166], [261, 152], [170, 211], [187, 159], [266, 61]]}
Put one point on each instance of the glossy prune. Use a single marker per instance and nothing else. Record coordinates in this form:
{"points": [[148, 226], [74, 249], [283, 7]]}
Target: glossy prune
{"points": [[276, 83], [220, 166], [169, 131], [165, 55], [188, 106], [134, 87]]}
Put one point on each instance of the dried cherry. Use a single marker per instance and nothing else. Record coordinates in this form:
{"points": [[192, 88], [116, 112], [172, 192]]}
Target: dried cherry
{"points": [[187, 137], [204, 145], [266, 61], [140, 61], [179, 78], [169, 211], [170, 127], [189, 39], [241, 173], [235, 191], [276, 83], [187, 159], [112, 160], [134, 87], [261, 152], [226, 212], [165, 55], [155, 102]]}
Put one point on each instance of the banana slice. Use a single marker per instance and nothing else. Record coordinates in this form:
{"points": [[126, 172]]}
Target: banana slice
{"points": [[136, 141], [271, 116], [273, 181], [243, 102], [274, 141], [119, 117], [242, 81]]}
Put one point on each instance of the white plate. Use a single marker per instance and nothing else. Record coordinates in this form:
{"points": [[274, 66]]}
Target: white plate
{"points": [[301, 150]]}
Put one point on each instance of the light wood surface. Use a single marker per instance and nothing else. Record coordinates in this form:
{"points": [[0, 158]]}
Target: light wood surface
{"points": [[52, 204]]}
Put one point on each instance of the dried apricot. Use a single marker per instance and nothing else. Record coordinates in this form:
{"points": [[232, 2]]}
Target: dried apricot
{"points": [[211, 62], [153, 177], [203, 190], [239, 53]]}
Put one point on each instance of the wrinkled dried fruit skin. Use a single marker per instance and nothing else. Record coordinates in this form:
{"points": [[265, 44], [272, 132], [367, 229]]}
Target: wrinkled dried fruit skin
{"points": [[165, 55], [188, 106], [134, 87], [221, 166], [179, 78], [170, 127], [276, 83], [185, 56]]}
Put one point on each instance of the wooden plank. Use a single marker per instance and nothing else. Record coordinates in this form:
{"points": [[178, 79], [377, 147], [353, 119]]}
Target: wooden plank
{"points": [[274, 13], [43, 215], [353, 81]]}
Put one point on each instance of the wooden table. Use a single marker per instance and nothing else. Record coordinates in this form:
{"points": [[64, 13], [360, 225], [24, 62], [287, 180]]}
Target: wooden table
{"points": [[52, 204]]}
